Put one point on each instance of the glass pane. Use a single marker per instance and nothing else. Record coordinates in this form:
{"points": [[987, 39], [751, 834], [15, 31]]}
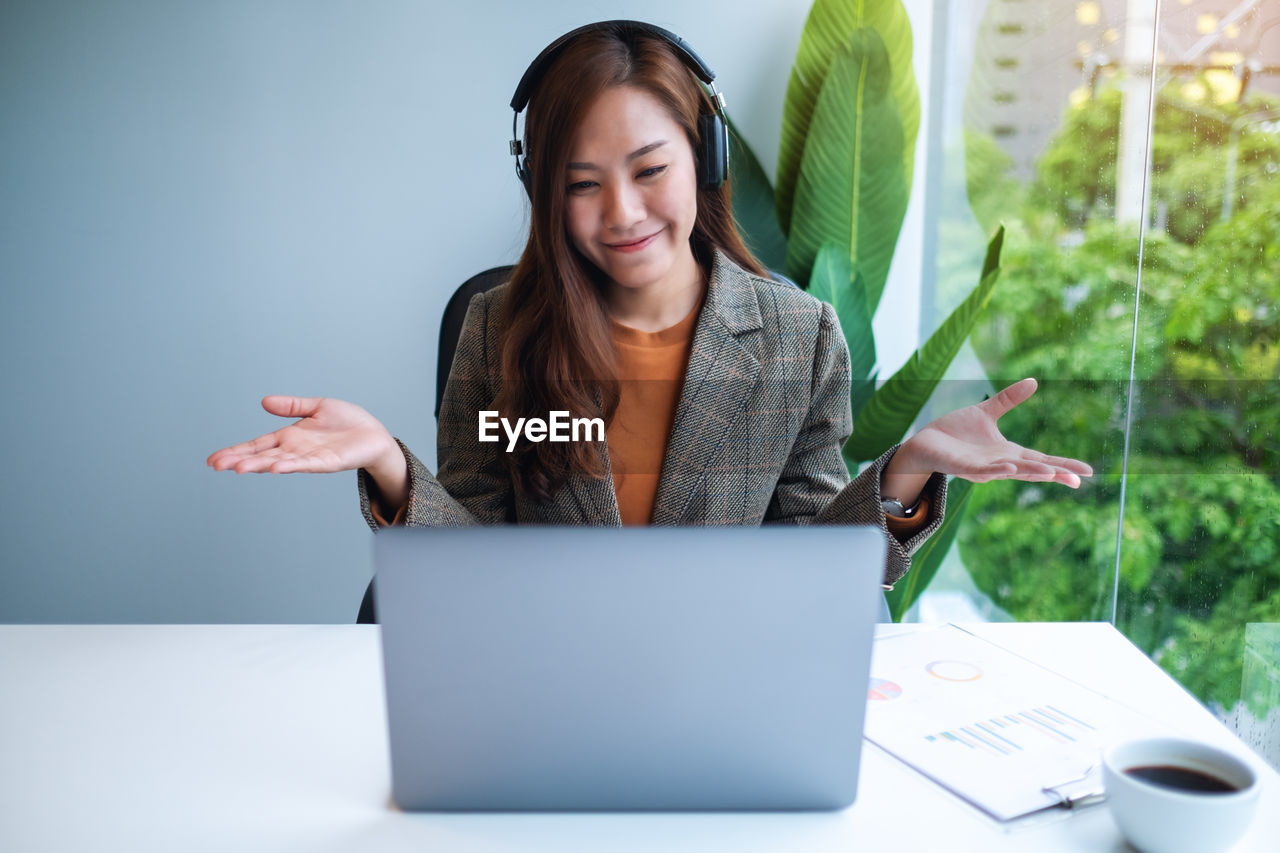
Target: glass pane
{"points": [[1049, 125], [1200, 570], [1034, 126]]}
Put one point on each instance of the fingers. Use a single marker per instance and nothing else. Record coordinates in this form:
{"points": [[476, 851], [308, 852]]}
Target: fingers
{"points": [[227, 457], [291, 407], [276, 404], [279, 460], [1034, 467], [1031, 467], [1010, 469], [1011, 396], [271, 461], [987, 473], [254, 464], [295, 464], [243, 463], [1075, 466]]}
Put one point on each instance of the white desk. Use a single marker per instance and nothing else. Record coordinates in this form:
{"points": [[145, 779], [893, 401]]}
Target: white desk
{"points": [[245, 738]]}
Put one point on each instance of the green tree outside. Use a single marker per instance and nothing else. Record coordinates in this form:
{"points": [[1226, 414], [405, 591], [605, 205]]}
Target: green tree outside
{"points": [[1200, 550]]}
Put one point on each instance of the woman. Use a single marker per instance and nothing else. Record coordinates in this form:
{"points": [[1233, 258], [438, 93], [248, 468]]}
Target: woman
{"points": [[725, 395]]}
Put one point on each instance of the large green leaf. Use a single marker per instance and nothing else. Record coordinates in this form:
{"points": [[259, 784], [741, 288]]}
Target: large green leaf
{"points": [[753, 204], [834, 280], [829, 27], [894, 406], [860, 392], [928, 559], [851, 187]]}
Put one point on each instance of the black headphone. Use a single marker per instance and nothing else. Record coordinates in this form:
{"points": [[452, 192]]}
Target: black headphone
{"points": [[713, 133]]}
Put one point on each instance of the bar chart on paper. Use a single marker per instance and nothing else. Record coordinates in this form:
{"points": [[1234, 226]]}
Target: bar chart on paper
{"points": [[997, 729], [1009, 734]]}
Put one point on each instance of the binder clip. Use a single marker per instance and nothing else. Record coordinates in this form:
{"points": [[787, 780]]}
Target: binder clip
{"points": [[1069, 798]]}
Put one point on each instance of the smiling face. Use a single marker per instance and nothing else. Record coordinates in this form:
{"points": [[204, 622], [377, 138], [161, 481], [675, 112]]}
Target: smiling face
{"points": [[632, 193]]}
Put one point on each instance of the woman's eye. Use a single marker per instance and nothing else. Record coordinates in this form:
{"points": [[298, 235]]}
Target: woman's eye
{"points": [[651, 171], [581, 186]]}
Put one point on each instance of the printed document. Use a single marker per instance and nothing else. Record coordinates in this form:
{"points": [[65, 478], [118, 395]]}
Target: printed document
{"points": [[1004, 733]]}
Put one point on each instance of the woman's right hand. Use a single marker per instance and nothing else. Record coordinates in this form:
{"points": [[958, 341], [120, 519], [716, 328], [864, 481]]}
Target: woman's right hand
{"points": [[331, 435]]}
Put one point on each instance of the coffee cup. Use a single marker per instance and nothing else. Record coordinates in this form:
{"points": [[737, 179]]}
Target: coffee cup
{"points": [[1170, 795]]}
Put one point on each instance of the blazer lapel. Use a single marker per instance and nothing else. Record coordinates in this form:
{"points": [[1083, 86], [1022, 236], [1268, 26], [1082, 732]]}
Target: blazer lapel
{"points": [[596, 500], [717, 385], [586, 500]]}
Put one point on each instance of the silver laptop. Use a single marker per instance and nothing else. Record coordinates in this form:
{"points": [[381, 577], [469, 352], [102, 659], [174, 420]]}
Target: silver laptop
{"points": [[545, 668]]}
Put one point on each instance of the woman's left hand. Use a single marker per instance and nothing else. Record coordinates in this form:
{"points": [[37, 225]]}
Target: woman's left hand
{"points": [[968, 444]]}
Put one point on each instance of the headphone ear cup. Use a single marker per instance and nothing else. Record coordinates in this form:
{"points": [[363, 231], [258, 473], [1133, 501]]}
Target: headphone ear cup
{"points": [[713, 143]]}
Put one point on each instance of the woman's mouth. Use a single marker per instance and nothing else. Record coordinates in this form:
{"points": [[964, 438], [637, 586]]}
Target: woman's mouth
{"points": [[634, 246]]}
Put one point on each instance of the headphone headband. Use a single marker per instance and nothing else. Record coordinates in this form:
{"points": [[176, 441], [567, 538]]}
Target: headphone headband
{"points": [[623, 29], [713, 134]]}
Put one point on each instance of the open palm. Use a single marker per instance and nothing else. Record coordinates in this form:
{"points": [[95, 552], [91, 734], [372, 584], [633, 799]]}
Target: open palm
{"points": [[968, 444], [331, 435]]}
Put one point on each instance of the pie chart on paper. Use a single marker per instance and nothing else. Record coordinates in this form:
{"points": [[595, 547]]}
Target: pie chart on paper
{"points": [[882, 690], [954, 670]]}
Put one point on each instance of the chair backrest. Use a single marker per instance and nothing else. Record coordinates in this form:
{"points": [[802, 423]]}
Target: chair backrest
{"points": [[454, 313]]}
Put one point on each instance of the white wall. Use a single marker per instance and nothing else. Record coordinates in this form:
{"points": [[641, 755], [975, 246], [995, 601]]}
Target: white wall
{"points": [[203, 203]]}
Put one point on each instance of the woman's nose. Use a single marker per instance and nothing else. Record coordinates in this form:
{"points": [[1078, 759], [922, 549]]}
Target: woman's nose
{"points": [[624, 207]]}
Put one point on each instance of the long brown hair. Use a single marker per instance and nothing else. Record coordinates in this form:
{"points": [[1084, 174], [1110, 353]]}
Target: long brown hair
{"points": [[559, 353]]}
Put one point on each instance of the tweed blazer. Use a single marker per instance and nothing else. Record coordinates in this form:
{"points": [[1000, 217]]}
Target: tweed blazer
{"points": [[763, 413]]}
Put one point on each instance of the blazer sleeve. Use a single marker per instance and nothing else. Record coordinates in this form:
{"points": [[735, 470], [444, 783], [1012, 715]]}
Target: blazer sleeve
{"points": [[815, 488], [472, 485]]}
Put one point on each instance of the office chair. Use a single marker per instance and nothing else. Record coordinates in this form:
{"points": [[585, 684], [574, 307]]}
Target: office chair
{"points": [[450, 328]]}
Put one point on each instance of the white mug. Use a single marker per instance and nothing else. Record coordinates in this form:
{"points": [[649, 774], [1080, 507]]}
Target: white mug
{"points": [[1164, 806]]}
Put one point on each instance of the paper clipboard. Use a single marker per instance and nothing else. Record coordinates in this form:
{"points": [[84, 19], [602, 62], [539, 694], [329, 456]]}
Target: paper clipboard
{"points": [[1002, 732]]}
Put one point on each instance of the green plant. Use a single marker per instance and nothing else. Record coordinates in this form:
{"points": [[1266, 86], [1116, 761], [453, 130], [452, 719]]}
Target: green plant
{"points": [[845, 163]]}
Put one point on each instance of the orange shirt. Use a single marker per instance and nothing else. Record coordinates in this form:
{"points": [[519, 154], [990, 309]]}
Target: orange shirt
{"points": [[651, 367]]}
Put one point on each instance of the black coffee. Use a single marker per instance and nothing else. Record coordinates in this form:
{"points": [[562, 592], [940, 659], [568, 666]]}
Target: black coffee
{"points": [[1182, 779]]}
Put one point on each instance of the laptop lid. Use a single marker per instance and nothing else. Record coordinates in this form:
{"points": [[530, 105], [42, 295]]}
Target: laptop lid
{"points": [[542, 668]]}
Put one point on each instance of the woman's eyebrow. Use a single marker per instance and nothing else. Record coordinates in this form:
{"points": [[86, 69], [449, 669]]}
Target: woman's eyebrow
{"points": [[639, 152]]}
